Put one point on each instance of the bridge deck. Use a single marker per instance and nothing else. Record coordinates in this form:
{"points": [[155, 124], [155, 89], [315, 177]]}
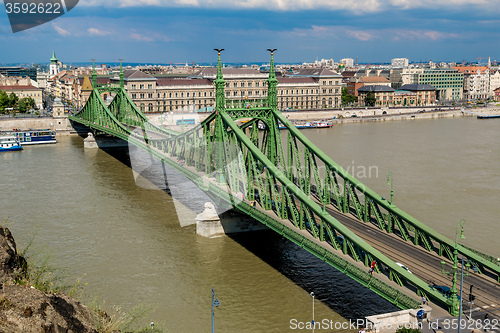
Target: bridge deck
{"points": [[423, 264]]}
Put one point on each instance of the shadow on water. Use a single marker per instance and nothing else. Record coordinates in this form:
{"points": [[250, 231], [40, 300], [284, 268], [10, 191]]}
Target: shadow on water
{"points": [[335, 289]]}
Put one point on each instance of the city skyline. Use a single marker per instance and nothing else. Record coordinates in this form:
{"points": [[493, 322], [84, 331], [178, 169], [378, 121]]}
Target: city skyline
{"points": [[158, 31]]}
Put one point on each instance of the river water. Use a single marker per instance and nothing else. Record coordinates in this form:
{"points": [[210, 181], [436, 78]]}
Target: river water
{"points": [[126, 243]]}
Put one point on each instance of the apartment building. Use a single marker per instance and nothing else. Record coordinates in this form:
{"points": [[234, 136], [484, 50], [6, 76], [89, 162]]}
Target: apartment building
{"points": [[476, 81], [448, 82], [304, 89]]}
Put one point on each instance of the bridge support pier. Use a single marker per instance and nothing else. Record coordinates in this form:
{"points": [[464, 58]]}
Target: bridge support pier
{"points": [[89, 141], [100, 141], [209, 224]]}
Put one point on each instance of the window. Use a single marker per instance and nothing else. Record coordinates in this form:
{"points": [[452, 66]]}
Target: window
{"points": [[134, 86], [141, 86], [134, 96], [141, 95], [150, 86], [150, 95]]}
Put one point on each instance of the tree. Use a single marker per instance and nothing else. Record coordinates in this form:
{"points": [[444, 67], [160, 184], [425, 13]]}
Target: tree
{"points": [[25, 104], [4, 101], [370, 99], [13, 99], [347, 99]]}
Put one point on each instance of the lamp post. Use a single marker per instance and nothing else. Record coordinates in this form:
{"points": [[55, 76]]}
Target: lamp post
{"points": [[454, 269], [389, 182], [312, 294], [215, 303]]}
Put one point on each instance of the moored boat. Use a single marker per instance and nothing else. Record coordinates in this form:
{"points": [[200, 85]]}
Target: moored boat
{"points": [[9, 143], [35, 137]]}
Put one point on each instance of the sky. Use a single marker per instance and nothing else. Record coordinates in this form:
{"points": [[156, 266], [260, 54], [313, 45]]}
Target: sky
{"points": [[186, 31]]}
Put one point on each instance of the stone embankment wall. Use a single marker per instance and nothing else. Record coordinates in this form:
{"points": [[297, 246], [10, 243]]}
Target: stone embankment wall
{"points": [[62, 126]]}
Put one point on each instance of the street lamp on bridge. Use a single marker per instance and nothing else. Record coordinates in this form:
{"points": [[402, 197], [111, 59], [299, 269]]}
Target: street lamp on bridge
{"points": [[454, 269], [389, 182]]}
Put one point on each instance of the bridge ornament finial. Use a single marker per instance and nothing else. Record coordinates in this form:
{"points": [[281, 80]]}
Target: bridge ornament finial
{"points": [[272, 82], [94, 75], [220, 98], [122, 84]]}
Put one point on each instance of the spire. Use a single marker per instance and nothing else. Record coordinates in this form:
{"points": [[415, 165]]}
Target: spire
{"points": [[121, 75], [94, 75], [53, 59], [272, 82], [220, 98]]}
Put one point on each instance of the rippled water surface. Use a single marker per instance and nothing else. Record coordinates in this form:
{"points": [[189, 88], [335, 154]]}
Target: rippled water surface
{"points": [[125, 240]]}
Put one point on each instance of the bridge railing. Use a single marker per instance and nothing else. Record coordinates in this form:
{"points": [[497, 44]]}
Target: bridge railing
{"points": [[341, 189]]}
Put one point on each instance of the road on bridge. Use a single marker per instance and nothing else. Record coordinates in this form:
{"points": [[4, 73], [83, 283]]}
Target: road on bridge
{"points": [[423, 264]]}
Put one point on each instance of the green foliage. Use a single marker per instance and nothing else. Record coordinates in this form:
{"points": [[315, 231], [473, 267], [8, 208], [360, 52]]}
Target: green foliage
{"points": [[407, 330], [4, 101], [115, 320], [26, 103], [348, 99], [13, 99], [370, 99]]}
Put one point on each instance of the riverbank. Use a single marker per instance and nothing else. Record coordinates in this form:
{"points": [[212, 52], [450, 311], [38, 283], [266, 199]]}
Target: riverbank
{"points": [[24, 308], [62, 126]]}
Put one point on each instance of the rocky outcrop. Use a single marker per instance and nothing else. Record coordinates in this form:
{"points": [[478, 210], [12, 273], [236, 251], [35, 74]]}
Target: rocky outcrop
{"points": [[28, 310]]}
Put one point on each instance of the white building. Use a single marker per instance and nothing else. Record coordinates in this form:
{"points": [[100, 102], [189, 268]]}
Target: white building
{"points": [[348, 62], [494, 82], [54, 66], [399, 62]]}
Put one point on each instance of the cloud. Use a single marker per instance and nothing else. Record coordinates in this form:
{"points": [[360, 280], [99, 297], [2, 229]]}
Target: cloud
{"points": [[356, 6], [61, 31], [150, 37], [361, 35], [422, 34], [97, 32], [140, 37]]}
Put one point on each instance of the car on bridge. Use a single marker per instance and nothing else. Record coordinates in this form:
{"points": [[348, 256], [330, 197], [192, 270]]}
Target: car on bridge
{"points": [[442, 289], [403, 267]]}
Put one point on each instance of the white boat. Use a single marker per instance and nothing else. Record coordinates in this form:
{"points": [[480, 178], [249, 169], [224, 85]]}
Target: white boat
{"points": [[9, 143]]}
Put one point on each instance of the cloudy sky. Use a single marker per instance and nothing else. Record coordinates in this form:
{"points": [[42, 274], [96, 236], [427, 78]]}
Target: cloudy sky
{"points": [[180, 31]]}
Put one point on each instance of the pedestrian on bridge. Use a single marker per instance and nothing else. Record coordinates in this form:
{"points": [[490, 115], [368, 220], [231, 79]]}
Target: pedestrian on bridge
{"points": [[424, 300]]}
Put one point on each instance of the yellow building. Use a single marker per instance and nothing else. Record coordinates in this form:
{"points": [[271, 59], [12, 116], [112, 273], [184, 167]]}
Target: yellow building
{"points": [[22, 91]]}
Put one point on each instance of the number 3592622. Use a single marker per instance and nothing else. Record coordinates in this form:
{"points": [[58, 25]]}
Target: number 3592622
{"points": [[33, 8]]}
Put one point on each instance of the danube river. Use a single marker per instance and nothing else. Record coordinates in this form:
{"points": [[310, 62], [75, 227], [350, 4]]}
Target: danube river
{"points": [[126, 243]]}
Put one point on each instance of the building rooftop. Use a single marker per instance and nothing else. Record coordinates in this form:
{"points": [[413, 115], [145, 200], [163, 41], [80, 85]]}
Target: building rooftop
{"points": [[314, 72], [417, 87], [472, 69], [376, 88], [374, 79], [18, 87], [136, 74], [228, 71]]}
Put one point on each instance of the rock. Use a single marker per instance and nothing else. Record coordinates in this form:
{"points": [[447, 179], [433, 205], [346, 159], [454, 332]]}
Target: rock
{"points": [[10, 261], [29, 310]]}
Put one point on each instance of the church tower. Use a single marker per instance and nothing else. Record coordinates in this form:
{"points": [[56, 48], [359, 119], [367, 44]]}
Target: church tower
{"points": [[54, 67]]}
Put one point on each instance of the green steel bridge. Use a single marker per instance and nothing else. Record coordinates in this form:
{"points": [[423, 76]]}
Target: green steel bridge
{"points": [[292, 187]]}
